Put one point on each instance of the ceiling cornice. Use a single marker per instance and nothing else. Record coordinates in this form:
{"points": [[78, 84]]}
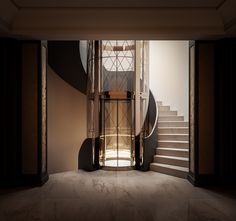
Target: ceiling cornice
{"points": [[230, 24], [14, 3], [84, 7], [119, 8], [221, 4], [5, 25]]}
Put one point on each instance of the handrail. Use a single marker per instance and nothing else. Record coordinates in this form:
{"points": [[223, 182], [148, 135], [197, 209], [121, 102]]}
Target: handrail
{"points": [[150, 141], [155, 123], [88, 156]]}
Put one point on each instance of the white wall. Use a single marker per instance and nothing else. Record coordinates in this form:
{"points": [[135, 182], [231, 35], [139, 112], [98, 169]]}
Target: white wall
{"points": [[169, 74], [83, 53], [67, 124]]}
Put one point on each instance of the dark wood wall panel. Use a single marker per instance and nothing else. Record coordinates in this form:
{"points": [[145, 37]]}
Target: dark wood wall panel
{"points": [[24, 139], [225, 110], [212, 118], [10, 54]]}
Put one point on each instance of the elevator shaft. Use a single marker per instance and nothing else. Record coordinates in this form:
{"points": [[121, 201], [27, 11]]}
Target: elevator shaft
{"points": [[118, 94]]}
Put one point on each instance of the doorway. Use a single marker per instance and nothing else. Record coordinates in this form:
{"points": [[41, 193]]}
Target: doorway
{"points": [[117, 132]]}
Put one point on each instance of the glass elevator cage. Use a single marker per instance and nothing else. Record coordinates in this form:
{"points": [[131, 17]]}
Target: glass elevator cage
{"points": [[118, 93]]}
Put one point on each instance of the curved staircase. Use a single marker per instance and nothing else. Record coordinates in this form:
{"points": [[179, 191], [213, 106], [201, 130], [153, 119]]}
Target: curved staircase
{"points": [[172, 152]]}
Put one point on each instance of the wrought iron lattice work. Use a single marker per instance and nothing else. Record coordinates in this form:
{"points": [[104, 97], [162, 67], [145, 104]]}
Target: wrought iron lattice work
{"points": [[118, 65]]}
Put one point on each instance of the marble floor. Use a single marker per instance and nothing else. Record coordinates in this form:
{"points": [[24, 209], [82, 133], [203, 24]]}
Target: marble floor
{"points": [[117, 196]]}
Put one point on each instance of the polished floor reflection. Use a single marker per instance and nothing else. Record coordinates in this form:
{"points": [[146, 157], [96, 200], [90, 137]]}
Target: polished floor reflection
{"points": [[117, 196], [118, 158]]}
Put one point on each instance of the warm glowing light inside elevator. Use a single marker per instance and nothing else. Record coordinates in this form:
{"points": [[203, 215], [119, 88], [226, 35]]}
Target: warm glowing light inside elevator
{"points": [[117, 108], [118, 90], [117, 135]]}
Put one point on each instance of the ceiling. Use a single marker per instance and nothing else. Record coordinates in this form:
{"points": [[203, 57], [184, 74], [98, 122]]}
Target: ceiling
{"points": [[118, 19], [118, 3]]}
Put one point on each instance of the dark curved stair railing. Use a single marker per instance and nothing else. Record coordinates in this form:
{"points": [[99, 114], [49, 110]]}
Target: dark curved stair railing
{"points": [[88, 158], [85, 158], [150, 141], [64, 58]]}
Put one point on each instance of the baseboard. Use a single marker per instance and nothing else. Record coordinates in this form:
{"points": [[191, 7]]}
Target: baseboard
{"points": [[191, 179], [34, 179], [205, 180], [10, 182]]}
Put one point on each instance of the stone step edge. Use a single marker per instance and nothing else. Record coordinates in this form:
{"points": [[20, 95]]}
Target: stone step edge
{"points": [[173, 127], [183, 169], [172, 157], [173, 134], [174, 141], [174, 149]]}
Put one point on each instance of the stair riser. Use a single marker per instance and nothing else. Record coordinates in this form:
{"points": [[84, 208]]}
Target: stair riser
{"points": [[173, 130], [174, 162], [172, 144], [172, 153], [164, 108], [167, 113], [169, 171], [173, 137], [172, 124], [170, 118]]}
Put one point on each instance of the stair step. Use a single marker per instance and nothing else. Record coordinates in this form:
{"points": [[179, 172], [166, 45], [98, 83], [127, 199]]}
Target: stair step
{"points": [[178, 137], [170, 118], [167, 113], [171, 160], [173, 143], [172, 124], [164, 108], [169, 130], [178, 152], [169, 169]]}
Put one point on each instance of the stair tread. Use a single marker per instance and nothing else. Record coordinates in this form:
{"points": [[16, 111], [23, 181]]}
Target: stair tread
{"points": [[173, 157], [173, 121], [174, 141], [183, 169], [172, 116], [174, 134], [173, 127], [175, 149]]}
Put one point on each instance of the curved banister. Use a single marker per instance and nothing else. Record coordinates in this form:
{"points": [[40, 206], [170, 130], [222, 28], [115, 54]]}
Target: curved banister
{"points": [[88, 158], [156, 118], [64, 58], [150, 141]]}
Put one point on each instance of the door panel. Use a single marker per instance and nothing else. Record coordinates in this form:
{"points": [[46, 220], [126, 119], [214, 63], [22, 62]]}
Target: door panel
{"points": [[117, 133]]}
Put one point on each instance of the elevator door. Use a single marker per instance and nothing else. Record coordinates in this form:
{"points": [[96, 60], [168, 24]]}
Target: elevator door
{"points": [[118, 130]]}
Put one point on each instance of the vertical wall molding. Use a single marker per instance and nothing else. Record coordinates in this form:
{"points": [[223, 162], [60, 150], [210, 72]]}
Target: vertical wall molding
{"points": [[34, 68]]}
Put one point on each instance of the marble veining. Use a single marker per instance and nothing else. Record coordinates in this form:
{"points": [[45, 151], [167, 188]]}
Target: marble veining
{"points": [[116, 196]]}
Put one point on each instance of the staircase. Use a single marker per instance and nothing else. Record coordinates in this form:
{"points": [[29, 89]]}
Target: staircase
{"points": [[172, 152]]}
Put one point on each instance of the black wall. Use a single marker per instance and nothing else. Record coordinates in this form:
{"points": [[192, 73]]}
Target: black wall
{"points": [[16, 62], [215, 67], [10, 150], [225, 110]]}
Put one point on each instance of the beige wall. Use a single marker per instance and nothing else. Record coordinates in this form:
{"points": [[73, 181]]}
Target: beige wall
{"points": [[66, 124]]}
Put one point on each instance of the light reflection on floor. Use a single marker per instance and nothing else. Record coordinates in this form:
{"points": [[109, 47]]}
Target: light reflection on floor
{"points": [[118, 163], [120, 158]]}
